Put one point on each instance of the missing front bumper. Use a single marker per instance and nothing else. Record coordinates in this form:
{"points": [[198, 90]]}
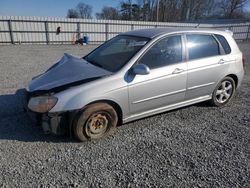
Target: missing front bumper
{"points": [[52, 123], [55, 123]]}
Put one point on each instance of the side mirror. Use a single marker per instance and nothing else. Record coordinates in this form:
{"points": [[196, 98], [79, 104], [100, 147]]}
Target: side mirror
{"points": [[141, 69]]}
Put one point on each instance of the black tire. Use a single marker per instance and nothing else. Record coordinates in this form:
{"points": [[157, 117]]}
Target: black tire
{"points": [[95, 121], [224, 92]]}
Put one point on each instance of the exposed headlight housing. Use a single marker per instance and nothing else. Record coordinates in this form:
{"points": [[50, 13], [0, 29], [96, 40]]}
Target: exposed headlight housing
{"points": [[42, 104]]}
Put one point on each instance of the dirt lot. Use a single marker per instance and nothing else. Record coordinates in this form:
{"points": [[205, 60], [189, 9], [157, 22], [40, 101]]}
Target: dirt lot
{"points": [[196, 146]]}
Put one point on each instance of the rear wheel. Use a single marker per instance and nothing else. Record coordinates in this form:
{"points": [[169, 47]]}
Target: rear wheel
{"points": [[95, 121], [223, 92]]}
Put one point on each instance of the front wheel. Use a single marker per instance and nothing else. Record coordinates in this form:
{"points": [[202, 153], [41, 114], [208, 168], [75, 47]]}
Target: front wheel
{"points": [[223, 92], [95, 122]]}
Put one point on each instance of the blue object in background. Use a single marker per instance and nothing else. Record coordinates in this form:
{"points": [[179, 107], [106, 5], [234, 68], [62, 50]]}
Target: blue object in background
{"points": [[85, 39]]}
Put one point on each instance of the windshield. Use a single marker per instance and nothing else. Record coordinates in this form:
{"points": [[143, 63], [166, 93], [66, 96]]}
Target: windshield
{"points": [[115, 53]]}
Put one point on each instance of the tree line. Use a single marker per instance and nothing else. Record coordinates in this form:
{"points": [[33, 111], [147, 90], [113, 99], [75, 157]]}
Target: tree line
{"points": [[166, 10]]}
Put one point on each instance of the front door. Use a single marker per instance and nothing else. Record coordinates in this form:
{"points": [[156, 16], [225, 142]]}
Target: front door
{"points": [[166, 82]]}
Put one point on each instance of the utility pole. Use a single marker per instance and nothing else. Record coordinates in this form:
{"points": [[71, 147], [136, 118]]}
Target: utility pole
{"points": [[157, 11], [130, 9]]}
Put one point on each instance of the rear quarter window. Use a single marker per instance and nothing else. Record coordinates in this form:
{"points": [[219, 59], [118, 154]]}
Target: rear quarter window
{"points": [[224, 43], [202, 46]]}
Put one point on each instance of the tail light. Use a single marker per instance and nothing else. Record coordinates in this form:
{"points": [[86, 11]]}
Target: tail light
{"points": [[243, 60]]}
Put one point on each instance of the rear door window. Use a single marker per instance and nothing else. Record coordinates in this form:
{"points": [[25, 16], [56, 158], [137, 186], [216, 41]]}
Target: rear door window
{"points": [[201, 46], [224, 43]]}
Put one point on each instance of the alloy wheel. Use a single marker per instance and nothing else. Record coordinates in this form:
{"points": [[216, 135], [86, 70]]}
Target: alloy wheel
{"points": [[224, 92]]}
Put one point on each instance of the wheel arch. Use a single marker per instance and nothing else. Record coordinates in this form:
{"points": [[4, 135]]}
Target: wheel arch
{"points": [[235, 78], [73, 115], [115, 105]]}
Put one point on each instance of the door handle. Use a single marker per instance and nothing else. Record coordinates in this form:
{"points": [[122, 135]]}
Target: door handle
{"points": [[177, 71], [222, 61]]}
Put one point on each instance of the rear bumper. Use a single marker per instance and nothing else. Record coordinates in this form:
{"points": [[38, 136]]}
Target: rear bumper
{"points": [[240, 78], [55, 123]]}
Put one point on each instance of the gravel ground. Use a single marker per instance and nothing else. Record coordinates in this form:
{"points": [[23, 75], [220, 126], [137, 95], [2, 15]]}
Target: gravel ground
{"points": [[196, 146]]}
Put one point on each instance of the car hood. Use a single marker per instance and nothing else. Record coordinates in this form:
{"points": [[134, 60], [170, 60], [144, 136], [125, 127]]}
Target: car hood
{"points": [[68, 71]]}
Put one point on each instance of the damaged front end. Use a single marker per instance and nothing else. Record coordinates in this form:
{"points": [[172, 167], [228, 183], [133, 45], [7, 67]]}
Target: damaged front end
{"points": [[70, 71], [55, 123]]}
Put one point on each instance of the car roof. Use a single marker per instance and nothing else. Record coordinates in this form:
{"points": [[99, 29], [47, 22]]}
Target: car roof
{"points": [[154, 32]]}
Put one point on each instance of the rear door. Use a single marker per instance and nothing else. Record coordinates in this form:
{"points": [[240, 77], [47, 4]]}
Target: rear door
{"points": [[207, 63]]}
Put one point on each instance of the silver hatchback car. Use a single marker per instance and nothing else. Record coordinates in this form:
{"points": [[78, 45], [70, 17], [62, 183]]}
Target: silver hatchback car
{"points": [[134, 75]]}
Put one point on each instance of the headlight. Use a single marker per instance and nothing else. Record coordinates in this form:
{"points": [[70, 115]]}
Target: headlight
{"points": [[42, 104]]}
